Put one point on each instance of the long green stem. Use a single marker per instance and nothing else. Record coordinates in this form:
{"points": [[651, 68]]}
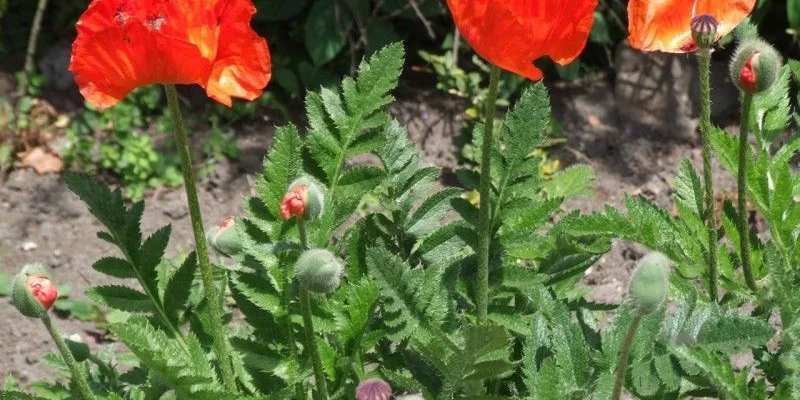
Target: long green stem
{"points": [[622, 362], [77, 372], [744, 230], [704, 64], [311, 343], [287, 299], [308, 324], [484, 224], [206, 271]]}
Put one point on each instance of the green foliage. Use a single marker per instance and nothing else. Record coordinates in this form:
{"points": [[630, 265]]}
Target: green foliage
{"points": [[403, 310], [112, 140]]}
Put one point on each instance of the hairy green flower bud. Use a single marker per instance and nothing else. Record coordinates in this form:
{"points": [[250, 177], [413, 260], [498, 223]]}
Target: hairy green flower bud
{"points": [[32, 292], [650, 283], [319, 270], [305, 198], [226, 238], [410, 397], [755, 66]]}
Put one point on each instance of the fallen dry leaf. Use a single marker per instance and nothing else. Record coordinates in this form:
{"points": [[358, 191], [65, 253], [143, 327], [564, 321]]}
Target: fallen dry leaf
{"points": [[41, 160]]}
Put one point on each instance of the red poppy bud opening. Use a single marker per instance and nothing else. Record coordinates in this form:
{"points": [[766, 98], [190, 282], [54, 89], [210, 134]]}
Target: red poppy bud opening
{"points": [[43, 290], [294, 202], [226, 224], [747, 77]]}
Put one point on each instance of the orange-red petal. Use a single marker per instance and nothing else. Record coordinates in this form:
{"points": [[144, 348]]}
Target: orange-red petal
{"points": [[124, 44], [665, 25], [242, 67], [513, 33]]}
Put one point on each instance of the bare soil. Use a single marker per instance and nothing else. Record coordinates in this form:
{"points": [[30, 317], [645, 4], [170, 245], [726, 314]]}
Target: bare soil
{"points": [[41, 221]]}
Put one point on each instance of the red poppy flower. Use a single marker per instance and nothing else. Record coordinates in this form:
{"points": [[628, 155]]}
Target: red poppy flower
{"points": [[513, 33], [124, 44], [665, 25]]}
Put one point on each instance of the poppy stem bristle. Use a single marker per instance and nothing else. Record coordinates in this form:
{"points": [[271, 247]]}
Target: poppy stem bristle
{"points": [[624, 352], [74, 368], [704, 67], [311, 344], [484, 224], [301, 228], [206, 272], [744, 230]]}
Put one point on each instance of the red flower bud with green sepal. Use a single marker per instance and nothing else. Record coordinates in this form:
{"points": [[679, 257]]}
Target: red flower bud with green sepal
{"points": [[225, 238], [756, 66], [32, 291], [305, 198]]}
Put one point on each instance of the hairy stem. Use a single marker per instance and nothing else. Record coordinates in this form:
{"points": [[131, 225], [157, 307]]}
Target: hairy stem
{"points": [[744, 230], [484, 224], [622, 362], [301, 228], [77, 372], [704, 64], [209, 286], [311, 343], [287, 300]]}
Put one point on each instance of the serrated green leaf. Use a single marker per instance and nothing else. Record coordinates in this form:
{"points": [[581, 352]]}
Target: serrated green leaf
{"points": [[526, 124], [183, 366], [570, 183], [730, 333], [718, 371], [356, 306], [115, 267], [415, 299], [121, 298], [689, 190], [282, 165], [151, 252], [178, 289], [427, 216]]}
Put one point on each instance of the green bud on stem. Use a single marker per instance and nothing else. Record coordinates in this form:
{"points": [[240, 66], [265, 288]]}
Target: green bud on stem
{"points": [[650, 283], [32, 292], [319, 270]]}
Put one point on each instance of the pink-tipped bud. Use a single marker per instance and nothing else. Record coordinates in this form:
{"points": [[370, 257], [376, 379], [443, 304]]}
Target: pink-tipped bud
{"points": [[32, 291], [373, 389]]}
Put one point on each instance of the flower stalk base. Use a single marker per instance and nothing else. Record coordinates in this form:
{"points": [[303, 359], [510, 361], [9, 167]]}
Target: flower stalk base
{"points": [[485, 188], [704, 65], [206, 271]]}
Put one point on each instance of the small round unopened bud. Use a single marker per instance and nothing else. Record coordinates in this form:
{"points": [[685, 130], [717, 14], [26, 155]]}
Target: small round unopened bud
{"points": [[32, 292], [225, 238], [704, 31], [319, 270], [373, 389], [410, 397], [755, 66], [305, 198], [650, 283]]}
